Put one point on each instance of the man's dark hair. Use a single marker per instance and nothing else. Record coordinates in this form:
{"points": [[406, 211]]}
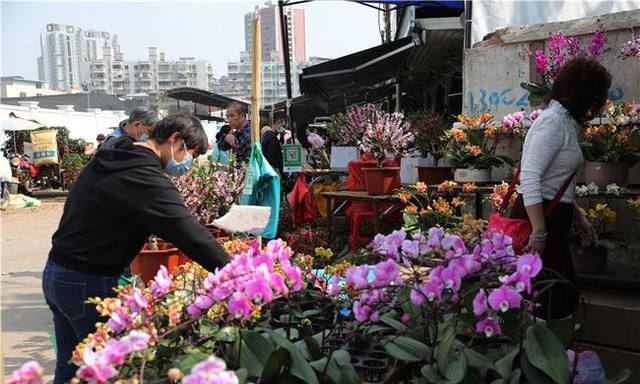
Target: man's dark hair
{"points": [[189, 128], [581, 86], [223, 132], [238, 107]]}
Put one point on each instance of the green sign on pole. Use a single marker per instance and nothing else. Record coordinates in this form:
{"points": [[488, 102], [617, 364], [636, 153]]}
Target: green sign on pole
{"points": [[292, 157]]}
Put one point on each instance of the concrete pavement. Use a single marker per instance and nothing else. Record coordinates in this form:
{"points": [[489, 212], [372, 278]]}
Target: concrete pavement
{"points": [[26, 320]]}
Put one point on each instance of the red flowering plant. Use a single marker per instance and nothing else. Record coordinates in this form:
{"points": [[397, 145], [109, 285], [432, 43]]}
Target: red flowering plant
{"points": [[472, 143], [210, 189], [428, 129], [561, 49]]}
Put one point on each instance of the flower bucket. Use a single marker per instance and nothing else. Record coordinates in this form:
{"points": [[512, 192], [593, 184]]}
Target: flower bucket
{"points": [[606, 173], [379, 181], [472, 175], [148, 262], [434, 175], [591, 259]]}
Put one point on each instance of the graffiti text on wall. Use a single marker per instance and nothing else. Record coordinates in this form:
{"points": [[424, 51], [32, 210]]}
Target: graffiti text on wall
{"points": [[483, 100]]}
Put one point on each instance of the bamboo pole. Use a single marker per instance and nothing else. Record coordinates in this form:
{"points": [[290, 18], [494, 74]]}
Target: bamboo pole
{"points": [[256, 80]]}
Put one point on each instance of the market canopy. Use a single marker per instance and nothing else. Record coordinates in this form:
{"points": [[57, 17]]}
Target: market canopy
{"points": [[201, 96], [355, 73]]}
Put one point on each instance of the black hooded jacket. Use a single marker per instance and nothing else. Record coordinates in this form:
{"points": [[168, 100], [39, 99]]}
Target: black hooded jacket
{"points": [[120, 198]]}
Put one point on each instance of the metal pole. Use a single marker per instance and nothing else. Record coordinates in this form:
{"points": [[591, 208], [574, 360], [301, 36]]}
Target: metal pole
{"points": [[256, 80], [398, 95], [287, 64], [387, 24], [468, 6]]}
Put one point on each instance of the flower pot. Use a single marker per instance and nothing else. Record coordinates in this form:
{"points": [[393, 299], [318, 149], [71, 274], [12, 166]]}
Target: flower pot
{"points": [[472, 175], [434, 175], [379, 181], [591, 259], [606, 173], [148, 262]]}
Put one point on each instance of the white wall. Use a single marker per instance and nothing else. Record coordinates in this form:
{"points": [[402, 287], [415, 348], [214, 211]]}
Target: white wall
{"points": [[489, 15], [81, 125]]}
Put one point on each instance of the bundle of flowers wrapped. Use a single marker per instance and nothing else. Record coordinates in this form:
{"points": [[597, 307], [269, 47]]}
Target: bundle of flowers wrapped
{"points": [[210, 189]]}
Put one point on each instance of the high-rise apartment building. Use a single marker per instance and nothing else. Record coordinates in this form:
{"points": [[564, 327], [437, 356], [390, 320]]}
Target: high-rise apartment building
{"points": [[67, 53], [271, 34]]}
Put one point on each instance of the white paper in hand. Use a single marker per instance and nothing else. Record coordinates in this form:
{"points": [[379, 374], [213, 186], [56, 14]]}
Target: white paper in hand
{"points": [[244, 218]]}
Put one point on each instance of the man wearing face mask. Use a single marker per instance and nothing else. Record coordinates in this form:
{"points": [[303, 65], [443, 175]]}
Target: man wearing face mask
{"points": [[271, 146], [125, 188], [138, 126]]}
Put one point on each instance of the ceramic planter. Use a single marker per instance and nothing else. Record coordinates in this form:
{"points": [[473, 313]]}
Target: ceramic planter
{"points": [[606, 173], [591, 259], [379, 181], [434, 175], [472, 175]]}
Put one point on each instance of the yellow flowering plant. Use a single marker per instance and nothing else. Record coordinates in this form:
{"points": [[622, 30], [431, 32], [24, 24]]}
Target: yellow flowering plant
{"points": [[473, 141], [599, 216], [634, 204]]}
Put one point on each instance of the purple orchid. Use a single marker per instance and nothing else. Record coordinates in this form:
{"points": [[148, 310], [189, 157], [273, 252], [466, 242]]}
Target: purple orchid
{"points": [[161, 283], [136, 341], [357, 276], [529, 264], [489, 327], [432, 291], [211, 371], [119, 320], [521, 281], [239, 306], [504, 298], [361, 311], [386, 272], [259, 291], [455, 243], [451, 278], [137, 302], [480, 303], [411, 248]]}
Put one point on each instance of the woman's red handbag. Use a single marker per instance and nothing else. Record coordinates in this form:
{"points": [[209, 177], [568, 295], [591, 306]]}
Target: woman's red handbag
{"points": [[519, 230]]}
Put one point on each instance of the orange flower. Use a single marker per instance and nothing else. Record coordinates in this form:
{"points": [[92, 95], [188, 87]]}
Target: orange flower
{"points": [[485, 118], [447, 186], [457, 134], [469, 188], [612, 128], [404, 196], [456, 202], [442, 206], [474, 150], [421, 187], [490, 132], [425, 212], [411, 209]]}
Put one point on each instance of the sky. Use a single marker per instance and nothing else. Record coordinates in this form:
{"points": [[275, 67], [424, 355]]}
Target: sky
{"points": [[207, 30]]}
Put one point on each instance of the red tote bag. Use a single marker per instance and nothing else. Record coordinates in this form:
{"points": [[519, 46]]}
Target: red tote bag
{"points": [[520, 229]]}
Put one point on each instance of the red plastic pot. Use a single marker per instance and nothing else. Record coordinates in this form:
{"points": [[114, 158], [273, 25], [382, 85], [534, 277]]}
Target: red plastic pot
{"points": [[379, 181], [148, 262], [434, 175]]}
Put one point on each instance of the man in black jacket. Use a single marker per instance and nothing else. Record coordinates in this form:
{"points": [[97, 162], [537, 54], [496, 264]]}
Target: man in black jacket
{"points": [[272, 148], [121, 197]]}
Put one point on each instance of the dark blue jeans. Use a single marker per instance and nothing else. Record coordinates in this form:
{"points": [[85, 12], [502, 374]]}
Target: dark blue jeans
{"points": [[66, 292]]}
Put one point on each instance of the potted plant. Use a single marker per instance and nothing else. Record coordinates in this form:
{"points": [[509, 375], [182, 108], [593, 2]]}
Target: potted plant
{"points": [[345, 131], [428, 129], [385, 134], [593, 258], [471, 148], [608, 149], [71, 166], [560, 49]]}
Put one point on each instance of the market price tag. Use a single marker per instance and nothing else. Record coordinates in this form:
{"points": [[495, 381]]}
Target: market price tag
{"points": [[292, 157]]}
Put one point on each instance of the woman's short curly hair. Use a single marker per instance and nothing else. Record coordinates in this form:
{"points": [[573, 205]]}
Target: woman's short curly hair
{"points": [[581, 86]]}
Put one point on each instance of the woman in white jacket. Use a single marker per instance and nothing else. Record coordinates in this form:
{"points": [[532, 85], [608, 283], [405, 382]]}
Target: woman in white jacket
{"points": [[551, 157]]}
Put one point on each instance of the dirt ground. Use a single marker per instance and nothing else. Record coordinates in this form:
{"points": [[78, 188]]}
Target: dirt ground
{"points": [[26, 320]]}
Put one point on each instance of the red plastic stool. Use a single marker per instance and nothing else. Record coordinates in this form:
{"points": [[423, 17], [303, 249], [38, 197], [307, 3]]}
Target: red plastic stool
{"points": [[356, 240]]}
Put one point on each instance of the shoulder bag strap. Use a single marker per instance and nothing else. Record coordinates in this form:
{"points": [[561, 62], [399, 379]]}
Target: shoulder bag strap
{"points": [[548, 210], [512, 188]]}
